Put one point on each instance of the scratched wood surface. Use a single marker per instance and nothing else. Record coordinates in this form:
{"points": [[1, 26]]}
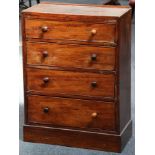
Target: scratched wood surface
{"points": [[72, 9], [99, 91], [70, 31], [73, 56], [70, 83], [66, 112]]}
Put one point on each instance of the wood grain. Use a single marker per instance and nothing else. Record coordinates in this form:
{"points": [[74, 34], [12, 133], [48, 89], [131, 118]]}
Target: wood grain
{"points": [[71, 56], [124, 67], [75, 138], [78, 31], [84, 10], [67, 82], [68, 100], [66, 112]]}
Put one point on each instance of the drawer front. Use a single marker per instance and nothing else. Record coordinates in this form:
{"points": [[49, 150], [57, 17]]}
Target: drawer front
{"points": [[45, 29], [70, 83], [72, 56], [71, 112]]}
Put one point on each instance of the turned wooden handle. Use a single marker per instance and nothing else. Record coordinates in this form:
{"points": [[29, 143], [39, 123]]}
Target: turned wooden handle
{"points": [[93, 31], [45, 79], [46, 110], [44, 28], [94, 84], [94, 114], [45, 54], [93, 57]]}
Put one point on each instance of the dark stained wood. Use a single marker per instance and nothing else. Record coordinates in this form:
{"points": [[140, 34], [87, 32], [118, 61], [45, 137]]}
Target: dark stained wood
{"points": [[75, 138], [73, 83], [80, 42], [66, 112], [70, 31], [81, 56], [124, 87], [67, 84], [82, 70]]}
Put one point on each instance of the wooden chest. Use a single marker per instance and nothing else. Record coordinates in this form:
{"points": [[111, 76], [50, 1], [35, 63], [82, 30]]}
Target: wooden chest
{"points": [[77, 75]]}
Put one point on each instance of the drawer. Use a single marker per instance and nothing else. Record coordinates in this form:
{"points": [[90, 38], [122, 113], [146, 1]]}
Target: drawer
{"points": [[55, 82], [90, 32], [72, 56], [71, 112]]}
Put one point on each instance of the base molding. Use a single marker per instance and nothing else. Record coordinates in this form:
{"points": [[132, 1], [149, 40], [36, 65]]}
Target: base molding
{"points": [[76, 138]]}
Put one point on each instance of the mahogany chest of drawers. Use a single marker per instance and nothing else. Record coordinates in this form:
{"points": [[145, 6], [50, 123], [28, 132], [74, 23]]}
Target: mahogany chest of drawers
{"points": [[77, 75]]}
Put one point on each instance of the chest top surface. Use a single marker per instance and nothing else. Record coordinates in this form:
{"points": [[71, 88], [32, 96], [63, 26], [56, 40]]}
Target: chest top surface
{"points": [[78, 9]]}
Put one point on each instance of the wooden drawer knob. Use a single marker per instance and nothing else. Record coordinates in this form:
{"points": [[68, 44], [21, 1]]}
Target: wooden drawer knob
{"points": [[93, 57], [93, 31], [45, 79], [94, 84], [94, 115], [44, 29], [46, 110], [45, 54]]}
